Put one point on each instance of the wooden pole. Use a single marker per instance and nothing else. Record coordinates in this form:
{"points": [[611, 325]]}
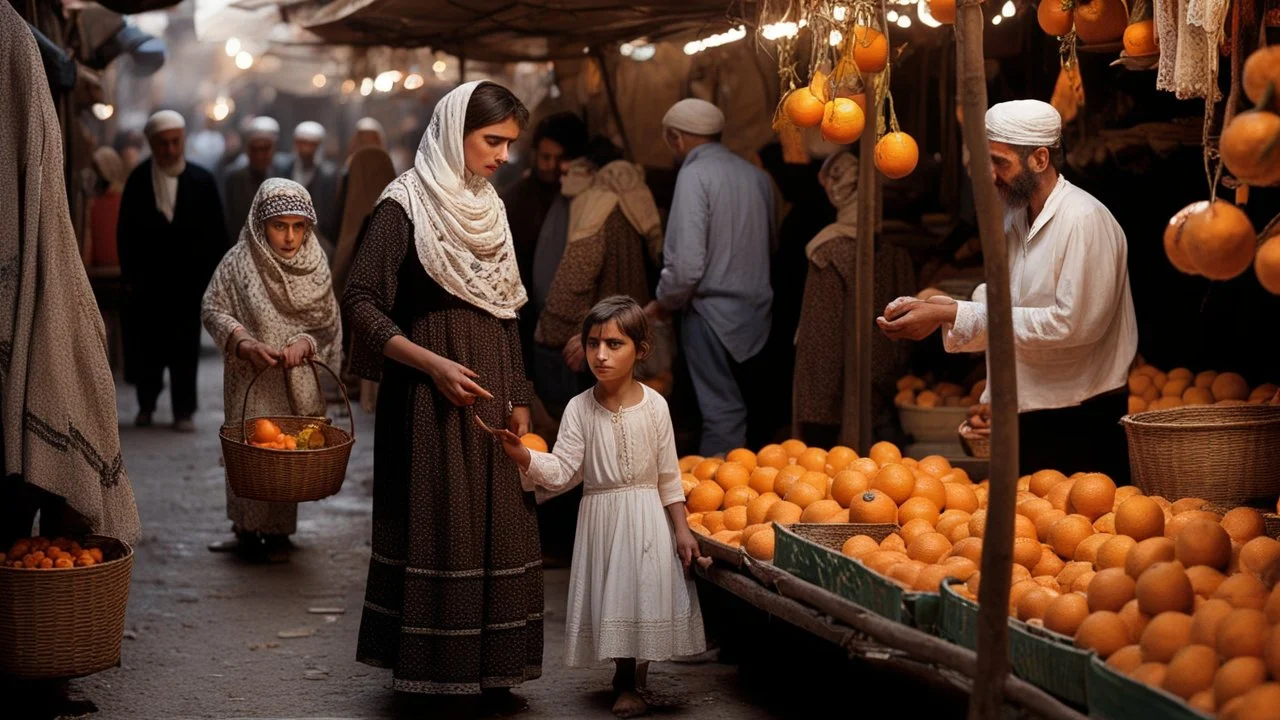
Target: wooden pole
{"points": [[613, 101], [855, 428], [997, 547]]}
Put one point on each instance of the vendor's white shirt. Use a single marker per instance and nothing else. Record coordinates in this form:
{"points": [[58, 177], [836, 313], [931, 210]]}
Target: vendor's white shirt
{"points": [[1073, 322]]}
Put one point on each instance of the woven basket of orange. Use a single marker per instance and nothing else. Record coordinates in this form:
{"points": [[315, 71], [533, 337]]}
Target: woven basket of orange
{"points": [[1224, 454], [931, 414], [62, 606], [288, 458]]}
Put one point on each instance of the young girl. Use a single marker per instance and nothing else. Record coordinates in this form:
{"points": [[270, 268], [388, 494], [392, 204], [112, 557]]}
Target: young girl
{"points": [[629, 598], [271, 303]]}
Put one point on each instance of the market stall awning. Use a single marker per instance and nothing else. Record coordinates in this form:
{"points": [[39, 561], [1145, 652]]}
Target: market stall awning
{"points": [[510, 30]]}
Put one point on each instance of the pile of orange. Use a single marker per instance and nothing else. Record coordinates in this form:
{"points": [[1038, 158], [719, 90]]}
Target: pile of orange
{"points": [[1153, 389], [41, 553], [267, 434], [914, 391]]}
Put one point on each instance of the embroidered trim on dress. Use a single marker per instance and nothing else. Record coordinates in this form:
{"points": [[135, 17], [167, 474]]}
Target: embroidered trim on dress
{"points": [[386, 560], [618, 489], [442, 632], [382, 610]]}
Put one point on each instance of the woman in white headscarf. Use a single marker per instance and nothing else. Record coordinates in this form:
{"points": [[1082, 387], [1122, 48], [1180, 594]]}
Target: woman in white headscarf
{"points": [[271, 304], [824, 316], [454, 598]]}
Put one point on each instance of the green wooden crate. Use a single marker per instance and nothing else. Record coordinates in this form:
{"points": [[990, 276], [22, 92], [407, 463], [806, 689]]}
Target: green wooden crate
{"points": [[957, 617], [811, 552], [1113, 696], [1050, 661]]}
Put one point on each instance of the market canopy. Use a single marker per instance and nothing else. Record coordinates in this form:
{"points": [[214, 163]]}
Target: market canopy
{"points": [[512, 30]]}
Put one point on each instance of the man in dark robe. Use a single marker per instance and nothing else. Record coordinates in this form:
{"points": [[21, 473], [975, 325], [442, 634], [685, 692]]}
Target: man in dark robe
{"points": [[308, 167], [557, 139], [242, 183], [171, 236]]}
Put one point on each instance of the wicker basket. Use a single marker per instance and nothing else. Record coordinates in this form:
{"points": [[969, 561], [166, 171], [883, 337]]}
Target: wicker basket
{"points": [[65, 623], [1227, 455], [975, 444], [291, 476], [932, 425]]}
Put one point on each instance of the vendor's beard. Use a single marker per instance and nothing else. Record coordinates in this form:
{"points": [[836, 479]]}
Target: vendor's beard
{"points": [[174, 169], [1017, 194]]}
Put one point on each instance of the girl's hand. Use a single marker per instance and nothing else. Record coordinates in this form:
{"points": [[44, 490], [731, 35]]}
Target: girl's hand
{"points": [[456, 382], [574, 356], [686, 546], [521, 422], [297, 354], [511, 445], [260, 355]]}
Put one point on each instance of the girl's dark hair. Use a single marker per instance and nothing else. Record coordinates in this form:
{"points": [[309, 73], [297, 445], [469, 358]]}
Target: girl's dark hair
{"points": [[629, 316], [491, 104]]}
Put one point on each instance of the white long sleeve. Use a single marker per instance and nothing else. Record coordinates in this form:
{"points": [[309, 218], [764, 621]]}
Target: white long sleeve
{"points": [[559, 471], [669, 487]]}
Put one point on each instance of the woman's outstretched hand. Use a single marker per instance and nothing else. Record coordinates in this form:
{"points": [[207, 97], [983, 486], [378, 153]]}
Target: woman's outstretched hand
{"points": [[456, 382], [521, 422]]}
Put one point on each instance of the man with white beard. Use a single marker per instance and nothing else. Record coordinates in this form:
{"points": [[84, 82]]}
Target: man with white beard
{"points": [[1074, 327], [171, 237]]}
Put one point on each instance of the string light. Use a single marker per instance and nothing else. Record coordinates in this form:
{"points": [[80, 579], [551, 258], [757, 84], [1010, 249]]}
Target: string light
{"points": [[644, 53], [414, 81], [232, 47], [366, 87], [995, 20], [319, 80], [891, 16], [904, 21], [839, 13], [348, 86], [836, 38], [438, 67], [1009, 9], [103, 111], [244, 60], [780, 30], [386, 82], [221, 108], [733, 35], [926, 17]]}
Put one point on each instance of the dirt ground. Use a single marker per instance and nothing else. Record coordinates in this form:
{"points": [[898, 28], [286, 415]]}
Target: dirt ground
{"points": [[203, 633]]}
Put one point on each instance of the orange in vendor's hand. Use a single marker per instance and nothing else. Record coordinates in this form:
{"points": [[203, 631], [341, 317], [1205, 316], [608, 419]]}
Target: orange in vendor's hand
{"points": [[533, 441], [897, 155], [842, 121], [265, 431]]}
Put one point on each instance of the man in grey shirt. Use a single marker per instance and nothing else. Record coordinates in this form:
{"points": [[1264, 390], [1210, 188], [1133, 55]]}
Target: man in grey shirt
{"points": [[716, 267]]}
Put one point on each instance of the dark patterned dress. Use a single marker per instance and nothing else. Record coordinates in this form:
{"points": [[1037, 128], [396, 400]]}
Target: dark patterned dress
{"points": [[454, 598]]}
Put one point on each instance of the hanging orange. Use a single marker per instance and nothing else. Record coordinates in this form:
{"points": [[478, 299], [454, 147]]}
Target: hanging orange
{"points": [[1100, 21], [1250, 147], [803, 108], [842, 121], [1173, 238], [1267, 264], [1054, 17], [897, 155], [1219, 240], [1262, 70], [944, 11], [870, 49], [1140, 39]]}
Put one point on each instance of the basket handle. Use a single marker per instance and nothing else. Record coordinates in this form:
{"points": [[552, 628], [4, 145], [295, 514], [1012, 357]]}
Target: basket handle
{"points": [[244, 406]]}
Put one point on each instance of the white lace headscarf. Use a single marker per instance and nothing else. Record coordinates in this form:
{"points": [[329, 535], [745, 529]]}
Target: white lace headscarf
{"points": [[460, 224]]}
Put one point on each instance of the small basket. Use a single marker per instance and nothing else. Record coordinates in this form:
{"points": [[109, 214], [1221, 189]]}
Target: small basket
{"points": [[975, 444], [1228, 455], [932, 425], [68, 623], [289, 476]]}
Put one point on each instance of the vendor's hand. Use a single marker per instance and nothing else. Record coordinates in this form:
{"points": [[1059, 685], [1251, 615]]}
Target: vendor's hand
{"points": [[656, 312], [456, 382], [916, 321], [686, 546], [511, 445], [573, 354], [297, 353], [521, 420], [261, 355]]}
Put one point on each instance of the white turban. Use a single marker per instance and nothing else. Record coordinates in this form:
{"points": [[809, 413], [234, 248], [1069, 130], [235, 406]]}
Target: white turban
{"points": [[368, 124], [1028, 123], [309, 131], [264, 128], [164, 120], [694, 116]]}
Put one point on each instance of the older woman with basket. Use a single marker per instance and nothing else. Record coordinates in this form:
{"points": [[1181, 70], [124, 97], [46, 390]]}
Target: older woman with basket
{"points": [[271, 305], [454, 600]]}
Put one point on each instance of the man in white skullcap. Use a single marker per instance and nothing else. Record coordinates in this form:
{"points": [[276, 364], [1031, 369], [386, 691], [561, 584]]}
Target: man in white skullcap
{"points": [[1073, 320], [369, 133], [171, 237], [242, 183], [308, 167], [716, 271]]}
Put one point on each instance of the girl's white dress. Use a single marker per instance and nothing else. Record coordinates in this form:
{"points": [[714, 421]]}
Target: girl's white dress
{"points": [[629, 596]]}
